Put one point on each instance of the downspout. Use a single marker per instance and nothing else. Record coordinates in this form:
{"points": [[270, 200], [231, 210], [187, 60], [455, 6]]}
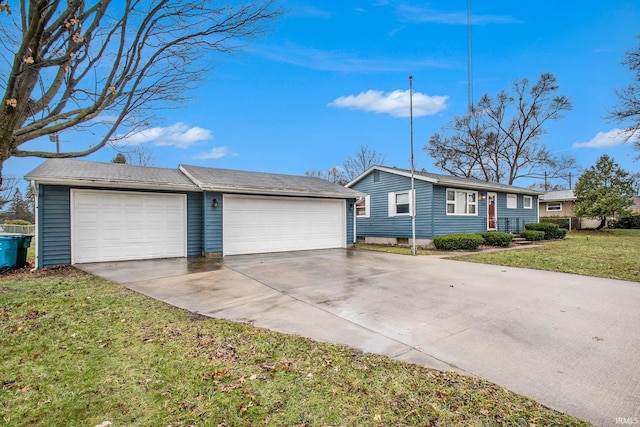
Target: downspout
{"points": [[35, 189]]}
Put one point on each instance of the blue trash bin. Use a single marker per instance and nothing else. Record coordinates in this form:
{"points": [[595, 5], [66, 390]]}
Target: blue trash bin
{"points": [[8, 251]]}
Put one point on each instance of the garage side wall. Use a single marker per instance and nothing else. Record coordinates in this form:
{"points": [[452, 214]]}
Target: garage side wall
{"points": [[350, 211], [54, 226], [212, 224]]}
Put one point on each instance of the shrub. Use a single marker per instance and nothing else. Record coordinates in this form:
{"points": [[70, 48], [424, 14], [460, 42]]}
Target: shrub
{"points": [[560, 221], [497, 238], [631, 221], [18, 222], [532, 235], [550, 230], [452, 242]]}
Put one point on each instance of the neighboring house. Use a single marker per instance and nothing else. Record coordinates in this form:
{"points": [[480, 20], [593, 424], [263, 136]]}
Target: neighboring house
{"points": [[95, 212], [443, 205], [557, 203], [635, 207]]}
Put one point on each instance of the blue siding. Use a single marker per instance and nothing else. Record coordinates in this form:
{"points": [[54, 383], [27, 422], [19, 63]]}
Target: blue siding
{"points": [[54, 226], [520, 215], [379, 224], [195, 241], [212, 223], [431, 214], [350, 215], [448, 224]]}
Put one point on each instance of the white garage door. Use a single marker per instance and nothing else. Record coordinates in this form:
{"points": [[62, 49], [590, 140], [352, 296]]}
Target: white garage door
{"points": [[253, 224], [119, 225]]}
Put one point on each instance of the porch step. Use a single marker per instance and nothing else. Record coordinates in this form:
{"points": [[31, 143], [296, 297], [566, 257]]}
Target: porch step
{"points": [[517, 240]]}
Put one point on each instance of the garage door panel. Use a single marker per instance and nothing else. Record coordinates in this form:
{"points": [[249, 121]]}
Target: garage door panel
{"points": [[271, 224], [117, 225]]}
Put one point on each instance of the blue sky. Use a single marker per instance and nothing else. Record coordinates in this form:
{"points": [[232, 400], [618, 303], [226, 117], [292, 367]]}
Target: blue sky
{"points": [[334, 75]]}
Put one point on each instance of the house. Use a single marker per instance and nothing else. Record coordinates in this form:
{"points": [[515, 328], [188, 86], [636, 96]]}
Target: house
{"points": [[635, 207], [557, 203], [95, 212], [442, 204]]}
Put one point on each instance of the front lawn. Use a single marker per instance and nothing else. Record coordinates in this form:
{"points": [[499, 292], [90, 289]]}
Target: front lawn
{"points": [[76, 350], [613, 254]]}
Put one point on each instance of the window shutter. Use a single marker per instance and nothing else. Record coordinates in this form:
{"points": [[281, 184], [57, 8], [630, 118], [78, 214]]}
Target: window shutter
{"points": [[367, 206], [392, 204]]}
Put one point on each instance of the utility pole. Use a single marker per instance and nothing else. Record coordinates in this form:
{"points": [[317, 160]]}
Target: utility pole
{"points": [[413, 191]]}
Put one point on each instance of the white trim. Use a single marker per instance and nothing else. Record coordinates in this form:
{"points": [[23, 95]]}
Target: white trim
{"points": [[454, 202], [390, 170], [512, 197], [554, 203], [367, 206], [227, 241], [495, 209], [524, 202], [76, 191], [392, 205], [117, 184]]}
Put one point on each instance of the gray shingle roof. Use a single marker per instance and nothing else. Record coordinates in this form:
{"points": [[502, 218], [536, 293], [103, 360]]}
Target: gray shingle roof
{"points": [[441, 179], [557, 196], [186, 178], [235, 181], [82, 172]]}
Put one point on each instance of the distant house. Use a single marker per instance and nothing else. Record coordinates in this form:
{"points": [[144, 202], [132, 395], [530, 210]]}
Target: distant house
{"points": [[557, 203], [635, 208], [443, 204]]}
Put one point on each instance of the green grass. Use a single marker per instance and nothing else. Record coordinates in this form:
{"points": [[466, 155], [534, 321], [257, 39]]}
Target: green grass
{"points": [[76, 350], [398, 249], [611, 254]]}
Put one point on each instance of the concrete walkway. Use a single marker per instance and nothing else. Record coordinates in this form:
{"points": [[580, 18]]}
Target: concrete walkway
{"points": [[570, 342]]}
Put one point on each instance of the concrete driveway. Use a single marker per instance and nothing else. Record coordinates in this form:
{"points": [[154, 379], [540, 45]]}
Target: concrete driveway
{"points": [[570, 342]]}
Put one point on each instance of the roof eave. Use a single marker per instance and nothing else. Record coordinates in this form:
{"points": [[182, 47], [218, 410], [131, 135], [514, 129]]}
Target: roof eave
{"points": [[279, 192], [389, 170], [140, 185]]}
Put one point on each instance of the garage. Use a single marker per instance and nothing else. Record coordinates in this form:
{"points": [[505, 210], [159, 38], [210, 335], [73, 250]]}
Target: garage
{"points": [[255, 224], [126, 225]]}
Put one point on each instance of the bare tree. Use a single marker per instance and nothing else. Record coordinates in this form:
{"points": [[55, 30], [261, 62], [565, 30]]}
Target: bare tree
{"points": [[628, 110], [141, 155], [334, 174], [498, 140], [74, 64], [364, 158]]}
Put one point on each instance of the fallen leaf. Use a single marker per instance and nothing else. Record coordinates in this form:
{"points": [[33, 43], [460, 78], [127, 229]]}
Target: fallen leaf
{"points": [[597, 338]]}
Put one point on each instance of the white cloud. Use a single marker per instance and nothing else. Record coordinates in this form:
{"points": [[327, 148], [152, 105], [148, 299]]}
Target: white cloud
{"points": [[214, 153], [394, 103], [178, 135], [605, 140]]}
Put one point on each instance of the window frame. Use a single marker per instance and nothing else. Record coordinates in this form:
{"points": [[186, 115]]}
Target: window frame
{"points": [[367, 207], [393, 205], [511, 197], [454, 202], [559, 204], [524, 202]]}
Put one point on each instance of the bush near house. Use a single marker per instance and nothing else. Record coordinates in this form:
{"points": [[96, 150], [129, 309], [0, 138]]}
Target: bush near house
{"points": [[560, 221], [18, 222], [453, 242], [551, 231], [631, 221], [497, 238], [532, 235]]}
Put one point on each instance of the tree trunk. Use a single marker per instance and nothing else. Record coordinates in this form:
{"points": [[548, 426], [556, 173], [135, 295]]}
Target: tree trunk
{"points": [[603, 222]]}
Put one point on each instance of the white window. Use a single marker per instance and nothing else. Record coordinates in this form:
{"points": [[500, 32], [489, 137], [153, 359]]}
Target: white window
{"points": [[555, 206], [512, 201], [363, 207], [527, 202], [400, 203], [462, 202]]}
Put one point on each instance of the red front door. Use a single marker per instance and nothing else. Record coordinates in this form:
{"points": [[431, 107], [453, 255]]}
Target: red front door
{"points": [[491, 211]]}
